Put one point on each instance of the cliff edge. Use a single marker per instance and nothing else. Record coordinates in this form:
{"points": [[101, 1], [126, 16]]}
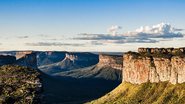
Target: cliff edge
{"points": [[114, 61], [154, 67], [151, 76]]}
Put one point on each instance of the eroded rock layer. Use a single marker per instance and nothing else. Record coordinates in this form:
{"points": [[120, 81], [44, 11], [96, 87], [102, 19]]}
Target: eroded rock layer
{"points": [[139, 68], [114, 61]]}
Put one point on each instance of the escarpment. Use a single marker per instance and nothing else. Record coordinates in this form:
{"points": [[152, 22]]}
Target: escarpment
{"points": [[114, 61], [28, 60], [158, 66], [21, 54]]}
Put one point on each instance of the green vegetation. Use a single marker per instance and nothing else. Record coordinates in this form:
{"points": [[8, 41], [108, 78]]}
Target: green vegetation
{"points": [[147, 93], [18, 85], [156, 55]]}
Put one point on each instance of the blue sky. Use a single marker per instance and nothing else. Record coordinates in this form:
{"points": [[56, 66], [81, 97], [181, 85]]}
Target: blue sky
{"points": [[55, 24]]}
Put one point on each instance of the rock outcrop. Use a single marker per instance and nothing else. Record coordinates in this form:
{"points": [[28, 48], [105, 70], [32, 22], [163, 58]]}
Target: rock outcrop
{"points": [[20, 54], [70, 57], [140, 68], [28, 60], [162, 50], [114, 61]]}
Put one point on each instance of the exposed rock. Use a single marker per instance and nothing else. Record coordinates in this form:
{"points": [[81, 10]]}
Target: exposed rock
{"points": [[29, 60], [136, 70], [162, 50], [178, 69], [21, 54], [139, 68], [71, 57], [114, 61]]}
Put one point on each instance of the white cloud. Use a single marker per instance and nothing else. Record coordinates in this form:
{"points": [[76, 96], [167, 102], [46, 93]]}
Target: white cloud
{"points": [[162, 30], [144, 34], [113, 29]]}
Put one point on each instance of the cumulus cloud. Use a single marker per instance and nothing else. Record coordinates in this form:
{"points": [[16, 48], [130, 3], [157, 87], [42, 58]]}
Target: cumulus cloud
{"points": [[162, 30], [144, 34], [113, 29], [52, 44]]}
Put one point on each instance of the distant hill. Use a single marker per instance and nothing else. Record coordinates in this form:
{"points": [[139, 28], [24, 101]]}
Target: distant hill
{"points": [[95, 71], [49, 57], [71, 61]]}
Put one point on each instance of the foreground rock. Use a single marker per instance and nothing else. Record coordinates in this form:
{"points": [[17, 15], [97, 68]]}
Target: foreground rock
{"points": [[19, 85]]}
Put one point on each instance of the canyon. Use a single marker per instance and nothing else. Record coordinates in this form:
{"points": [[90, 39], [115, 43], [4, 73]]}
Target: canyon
{"points": [[76, 72]]}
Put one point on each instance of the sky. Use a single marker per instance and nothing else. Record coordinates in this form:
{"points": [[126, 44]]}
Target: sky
{"points": [[91, 25]]}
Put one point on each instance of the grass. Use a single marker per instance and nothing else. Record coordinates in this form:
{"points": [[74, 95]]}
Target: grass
{"points": [[147, 93]]}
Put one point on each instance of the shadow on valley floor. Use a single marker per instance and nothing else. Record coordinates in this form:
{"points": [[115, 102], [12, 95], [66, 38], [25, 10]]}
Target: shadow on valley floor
{"points": [[66, 90]]}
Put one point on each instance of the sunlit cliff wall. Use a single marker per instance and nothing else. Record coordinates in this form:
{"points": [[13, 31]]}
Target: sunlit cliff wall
{"points": [[154, 67]]}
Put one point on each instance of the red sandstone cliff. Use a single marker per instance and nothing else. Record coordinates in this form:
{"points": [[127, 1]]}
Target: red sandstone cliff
{"points": [[139, 69]]}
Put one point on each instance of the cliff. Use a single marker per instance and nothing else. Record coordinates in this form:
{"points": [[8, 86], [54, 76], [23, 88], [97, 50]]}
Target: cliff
{"points": [[49, 57], [172, 51], [28, 60], [19, 85], [156, 67], [114, 61], [20, 54], [152, 76]]}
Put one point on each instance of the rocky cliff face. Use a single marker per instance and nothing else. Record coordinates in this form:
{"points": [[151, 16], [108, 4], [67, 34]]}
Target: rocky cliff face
{"points": [[21, 54], [114, 61], [139, 68], [28, 60]]}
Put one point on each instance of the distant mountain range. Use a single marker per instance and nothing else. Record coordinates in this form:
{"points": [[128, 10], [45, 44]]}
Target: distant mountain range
{"points": [[71, 61], [67, 77]]}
